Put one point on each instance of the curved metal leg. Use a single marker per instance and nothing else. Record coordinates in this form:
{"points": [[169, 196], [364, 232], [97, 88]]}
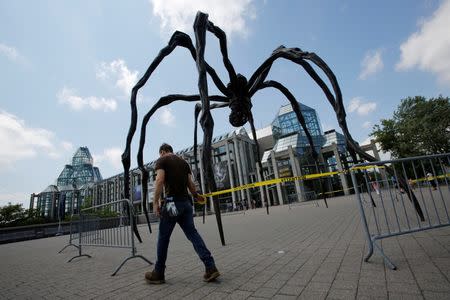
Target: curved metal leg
{"points": [[127, 259], [370, 252], [79, 256], [60, 251], [386, 259]]}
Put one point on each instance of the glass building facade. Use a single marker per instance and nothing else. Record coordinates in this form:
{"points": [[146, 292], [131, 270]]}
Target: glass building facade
{"points": [[67, 195], [287, 130]]}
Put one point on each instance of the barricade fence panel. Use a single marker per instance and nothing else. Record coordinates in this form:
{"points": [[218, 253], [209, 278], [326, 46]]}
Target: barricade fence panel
{"points": [[97, 228], [402, 196]]}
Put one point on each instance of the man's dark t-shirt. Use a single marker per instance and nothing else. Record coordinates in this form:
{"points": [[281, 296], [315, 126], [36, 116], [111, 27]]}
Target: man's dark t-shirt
{"points": [[176, 172]]}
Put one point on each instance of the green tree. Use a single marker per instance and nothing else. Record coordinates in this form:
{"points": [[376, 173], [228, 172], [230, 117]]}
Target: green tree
{"points": [[11, 213], [15, 215], [418, 127]]}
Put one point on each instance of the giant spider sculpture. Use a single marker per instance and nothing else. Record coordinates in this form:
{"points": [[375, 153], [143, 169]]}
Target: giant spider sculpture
{"points": [[237, 95]]}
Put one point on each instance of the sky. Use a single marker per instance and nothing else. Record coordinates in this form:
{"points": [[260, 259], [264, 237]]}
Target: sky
{"points": [[67, 69]]}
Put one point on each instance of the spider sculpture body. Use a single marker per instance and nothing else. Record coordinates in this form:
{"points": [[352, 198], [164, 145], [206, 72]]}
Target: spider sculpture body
{"points": [[237, 95]]}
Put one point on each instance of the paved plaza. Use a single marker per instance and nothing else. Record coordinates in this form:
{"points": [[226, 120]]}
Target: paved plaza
{"points": [[305, 252]]}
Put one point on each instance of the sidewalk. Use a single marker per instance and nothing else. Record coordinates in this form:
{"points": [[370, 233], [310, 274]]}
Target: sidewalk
{"points": [[305, 252]]}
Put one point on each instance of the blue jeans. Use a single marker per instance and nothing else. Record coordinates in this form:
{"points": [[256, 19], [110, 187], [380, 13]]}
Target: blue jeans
{"points": [[186, 222]]}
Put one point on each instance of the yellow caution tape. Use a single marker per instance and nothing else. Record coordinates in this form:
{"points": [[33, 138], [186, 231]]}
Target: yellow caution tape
{"points": [[295, 178], [270, 182], [432, 178]]}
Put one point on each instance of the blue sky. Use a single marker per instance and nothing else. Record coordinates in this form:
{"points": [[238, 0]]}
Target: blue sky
{"points": [[67, 68]]}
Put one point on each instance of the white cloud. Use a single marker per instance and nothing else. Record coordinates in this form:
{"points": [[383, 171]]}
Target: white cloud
{"points": [[367, 124], [361, 107], [166, 117], [371, 64], [229, 15], [68, 146], [112, 156], [22, 142], [10, 52], [68, 96], [15, 198], [117, 70], [428, 49]]}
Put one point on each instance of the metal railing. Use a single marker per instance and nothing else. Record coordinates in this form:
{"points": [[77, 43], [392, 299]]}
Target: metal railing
{"points": [[397, 197], [73, 234], [113, 232]]}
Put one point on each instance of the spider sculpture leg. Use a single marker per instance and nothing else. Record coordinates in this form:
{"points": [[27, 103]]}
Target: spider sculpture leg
{"points": [[177, 39], [299, 57], [198, 108], [166, 100], [236, 85], [200, 25]]}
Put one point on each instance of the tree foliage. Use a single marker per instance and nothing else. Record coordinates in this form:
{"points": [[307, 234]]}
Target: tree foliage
{"points": [[418, 127], [15, 215]]}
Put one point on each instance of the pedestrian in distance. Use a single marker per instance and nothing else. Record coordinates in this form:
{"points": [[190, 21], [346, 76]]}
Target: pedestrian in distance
{"points": [[174, 174], [430, 179]]}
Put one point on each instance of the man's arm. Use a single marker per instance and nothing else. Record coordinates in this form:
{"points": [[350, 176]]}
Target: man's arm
{"points": [[193, 190], [191, 185], [159, 183]]}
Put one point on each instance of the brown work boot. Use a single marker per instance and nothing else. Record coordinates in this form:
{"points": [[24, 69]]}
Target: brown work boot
{"points": [[154, 277], [211, 274]]}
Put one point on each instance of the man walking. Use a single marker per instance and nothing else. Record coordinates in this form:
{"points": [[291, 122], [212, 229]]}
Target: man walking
{"points": [[174, 174]]}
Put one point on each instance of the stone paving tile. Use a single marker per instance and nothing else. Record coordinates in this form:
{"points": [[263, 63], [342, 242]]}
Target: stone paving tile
{"points": [[345, 285], [341, 294], [372, 290], [305, 253], [293, 290], [284, 297], [405, 296], [239, 295], [313, 295], [265, 292], [435, 295]]}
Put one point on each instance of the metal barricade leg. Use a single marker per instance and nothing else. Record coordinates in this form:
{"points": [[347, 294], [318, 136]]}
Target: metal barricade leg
{"points": [[128, 258], [386, 259], [80, 237], [133, 248], [70, 239], [363, 218], [67, 246]]}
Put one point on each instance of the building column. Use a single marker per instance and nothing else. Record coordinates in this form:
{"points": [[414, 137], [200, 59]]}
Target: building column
{"points": [[275, 171], [245, 170], [238, 164], [105, 192], [31, 201], [52, 208], [231, 175], [293, 160], [74, 198], [342, 176]]}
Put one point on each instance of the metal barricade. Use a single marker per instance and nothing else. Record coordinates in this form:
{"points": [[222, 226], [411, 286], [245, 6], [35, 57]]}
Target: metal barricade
{"points": [[397, 197], [115, 232], [73, 234]]}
